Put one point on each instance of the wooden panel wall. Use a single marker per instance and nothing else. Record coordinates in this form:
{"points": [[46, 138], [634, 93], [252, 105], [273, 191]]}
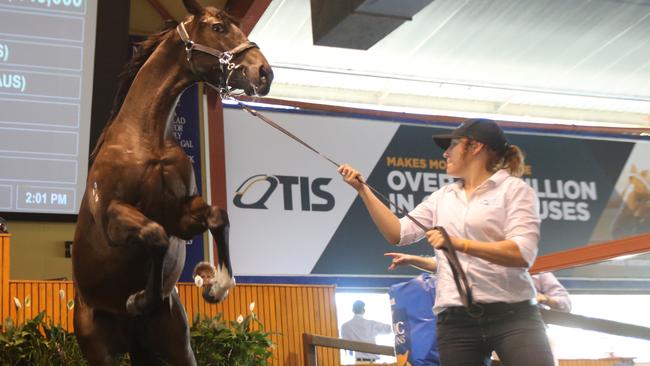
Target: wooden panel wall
{"points": [[28, 298], [285, 310], [4, 276]]}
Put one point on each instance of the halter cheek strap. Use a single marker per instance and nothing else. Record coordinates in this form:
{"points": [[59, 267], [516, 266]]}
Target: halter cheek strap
{"points": [[225, 58]]}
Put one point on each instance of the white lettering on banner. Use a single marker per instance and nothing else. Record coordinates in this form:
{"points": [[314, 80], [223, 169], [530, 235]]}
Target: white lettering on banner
{"points": [[405, 201], [421, 184], [564, 189], [417, 181], [564, 199]]}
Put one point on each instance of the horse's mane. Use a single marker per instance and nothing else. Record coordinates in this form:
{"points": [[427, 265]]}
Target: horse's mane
{"points": [[141, 54], [142, 51]]}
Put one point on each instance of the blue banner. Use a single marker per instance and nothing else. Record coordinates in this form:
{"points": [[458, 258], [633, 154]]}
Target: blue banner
{"points": [[414, 323], [187, 131]]}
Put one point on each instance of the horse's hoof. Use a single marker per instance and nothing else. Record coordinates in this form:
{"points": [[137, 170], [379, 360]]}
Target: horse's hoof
{"points": [[218, 290], [215, 294]]}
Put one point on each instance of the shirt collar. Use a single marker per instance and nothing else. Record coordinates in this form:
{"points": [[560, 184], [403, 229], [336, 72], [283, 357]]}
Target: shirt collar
{"points": [[499, 176], [495, 179]]}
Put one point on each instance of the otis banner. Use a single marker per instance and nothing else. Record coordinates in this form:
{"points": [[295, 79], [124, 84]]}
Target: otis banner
{"points": [[291, 213]]}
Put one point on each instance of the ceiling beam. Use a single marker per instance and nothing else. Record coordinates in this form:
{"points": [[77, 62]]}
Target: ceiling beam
{"points": [[248, 12], [590, 254], [161, 10]]}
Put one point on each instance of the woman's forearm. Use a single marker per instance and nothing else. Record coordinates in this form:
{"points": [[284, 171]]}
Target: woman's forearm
{"points": [[505, 253]]}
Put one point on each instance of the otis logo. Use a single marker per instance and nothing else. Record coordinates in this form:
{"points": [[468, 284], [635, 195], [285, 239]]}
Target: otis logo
{"points": [[246, 195]]}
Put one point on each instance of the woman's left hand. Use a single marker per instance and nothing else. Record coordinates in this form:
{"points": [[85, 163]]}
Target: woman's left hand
{"points": [[437, 241]]}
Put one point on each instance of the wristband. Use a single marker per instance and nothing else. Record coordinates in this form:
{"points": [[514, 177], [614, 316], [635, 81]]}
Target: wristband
{"points": [[465, 245]]}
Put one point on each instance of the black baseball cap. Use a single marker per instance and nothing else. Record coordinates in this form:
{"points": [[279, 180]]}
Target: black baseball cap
{"points": [[479, 129]]}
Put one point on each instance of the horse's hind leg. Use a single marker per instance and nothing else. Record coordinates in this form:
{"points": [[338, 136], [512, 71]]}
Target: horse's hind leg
{"points": [[101, 336], [128, 226], [197, 217], [164, 333]]}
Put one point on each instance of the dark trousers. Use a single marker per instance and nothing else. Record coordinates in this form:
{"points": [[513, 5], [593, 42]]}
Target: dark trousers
{"points": [[515, 331]]}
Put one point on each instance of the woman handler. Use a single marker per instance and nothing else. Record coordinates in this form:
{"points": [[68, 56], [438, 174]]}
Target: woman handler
{"points": [[492, 219]]}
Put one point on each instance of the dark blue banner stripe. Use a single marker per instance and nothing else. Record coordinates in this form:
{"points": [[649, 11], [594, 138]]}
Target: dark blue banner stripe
{"points": [[370, 283], [357, 282]]}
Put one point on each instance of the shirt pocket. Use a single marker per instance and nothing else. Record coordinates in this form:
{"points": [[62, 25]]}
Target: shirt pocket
{"points": [[488, 214], [490, 202]]}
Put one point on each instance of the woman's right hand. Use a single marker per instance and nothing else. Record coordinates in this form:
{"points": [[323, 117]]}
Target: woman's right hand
{"points": [[351, 176], [399, 259]]}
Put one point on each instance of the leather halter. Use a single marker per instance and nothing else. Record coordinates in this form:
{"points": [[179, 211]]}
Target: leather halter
{"points": [[225, 57]]}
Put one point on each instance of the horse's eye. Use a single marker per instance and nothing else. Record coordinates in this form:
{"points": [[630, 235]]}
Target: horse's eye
{"points": [[218, 27]]}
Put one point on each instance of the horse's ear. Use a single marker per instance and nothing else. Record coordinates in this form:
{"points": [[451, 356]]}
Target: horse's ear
{"points": [[193, 7], [235, 20]]}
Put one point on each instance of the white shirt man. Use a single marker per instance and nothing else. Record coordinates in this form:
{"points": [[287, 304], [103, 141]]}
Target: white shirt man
{"points": [[551, 293], [363, 330]]}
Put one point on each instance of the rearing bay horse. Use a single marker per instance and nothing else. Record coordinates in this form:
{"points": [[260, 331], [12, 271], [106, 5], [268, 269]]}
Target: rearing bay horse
{"points": [[140, 202]]}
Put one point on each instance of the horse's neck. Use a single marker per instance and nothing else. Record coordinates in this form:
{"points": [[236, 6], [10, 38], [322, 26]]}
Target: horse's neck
{"points": [[155, 90]]}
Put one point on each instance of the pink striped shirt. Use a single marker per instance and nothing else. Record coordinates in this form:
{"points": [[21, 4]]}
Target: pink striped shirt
{"points": [[501, 208]]}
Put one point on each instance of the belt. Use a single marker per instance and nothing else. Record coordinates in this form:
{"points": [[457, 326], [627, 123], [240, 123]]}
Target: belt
{"points": [[493, 307]]}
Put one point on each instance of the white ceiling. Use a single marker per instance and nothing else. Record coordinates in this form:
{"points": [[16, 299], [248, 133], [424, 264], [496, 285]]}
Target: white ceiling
{"points": [[574, 60]]}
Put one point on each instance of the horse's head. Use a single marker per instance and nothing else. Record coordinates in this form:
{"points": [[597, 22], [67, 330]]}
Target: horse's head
{"points": [[219, 53]]}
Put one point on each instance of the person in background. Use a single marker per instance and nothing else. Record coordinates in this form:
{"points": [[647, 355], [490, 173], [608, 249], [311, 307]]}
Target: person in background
{"points": [[551, 293], [3, 226], [492, 218], [205, 271], [363, 330]]}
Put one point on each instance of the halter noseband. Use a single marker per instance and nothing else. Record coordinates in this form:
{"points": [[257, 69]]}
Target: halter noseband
{"points": [[225, 58]]}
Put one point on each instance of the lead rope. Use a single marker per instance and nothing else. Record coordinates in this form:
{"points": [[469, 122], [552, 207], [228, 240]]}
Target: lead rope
{"points": [[460, 278]]}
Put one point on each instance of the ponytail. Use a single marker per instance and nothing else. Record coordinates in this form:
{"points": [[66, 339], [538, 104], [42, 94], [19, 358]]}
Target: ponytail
{"points": [[511, 160]]}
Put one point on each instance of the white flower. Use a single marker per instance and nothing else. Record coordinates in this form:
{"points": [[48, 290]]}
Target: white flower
{"points": [[252, 306], [62, 294], [240, 319], [198, 281], [19, 305]]}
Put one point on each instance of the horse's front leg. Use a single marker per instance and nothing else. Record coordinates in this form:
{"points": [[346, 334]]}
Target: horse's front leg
{"points": [[199, 216], [126, 225]]}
